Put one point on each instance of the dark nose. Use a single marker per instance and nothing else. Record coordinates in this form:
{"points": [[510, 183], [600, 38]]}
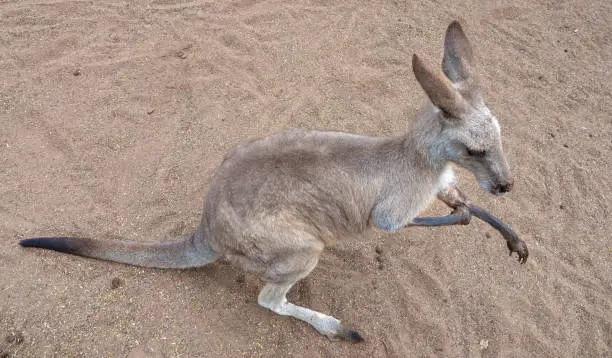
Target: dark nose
{"points": [[504, 187]]}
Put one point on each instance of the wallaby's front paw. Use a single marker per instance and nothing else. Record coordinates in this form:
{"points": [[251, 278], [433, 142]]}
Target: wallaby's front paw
{"points": [[465, 213], [519, 246], [453, 197]]}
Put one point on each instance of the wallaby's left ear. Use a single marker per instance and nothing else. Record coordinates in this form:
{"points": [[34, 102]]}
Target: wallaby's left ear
{"points": [[439, 89], [458, 57]]}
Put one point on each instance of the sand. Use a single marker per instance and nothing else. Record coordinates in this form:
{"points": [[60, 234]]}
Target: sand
{"points": [[114, 115]]}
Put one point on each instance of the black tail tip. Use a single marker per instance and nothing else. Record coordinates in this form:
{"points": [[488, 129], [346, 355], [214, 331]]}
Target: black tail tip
{"points": [[30, 242], [62, 244]]}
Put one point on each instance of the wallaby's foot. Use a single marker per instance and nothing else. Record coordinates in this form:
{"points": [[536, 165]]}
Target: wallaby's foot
{"points": [[272, 297], [334, 330], [350, 335], [519, 246]]}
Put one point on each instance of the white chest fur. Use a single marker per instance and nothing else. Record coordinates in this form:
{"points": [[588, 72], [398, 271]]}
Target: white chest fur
{"points": [[446, 178]]}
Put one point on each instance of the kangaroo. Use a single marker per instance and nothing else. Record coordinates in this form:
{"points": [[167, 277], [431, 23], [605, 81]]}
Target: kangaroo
{"points": [[275, 203]]}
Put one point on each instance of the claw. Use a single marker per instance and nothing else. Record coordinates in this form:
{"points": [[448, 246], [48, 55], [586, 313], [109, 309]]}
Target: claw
{"points": [[514, 243], [520, 248], [455, 198]]}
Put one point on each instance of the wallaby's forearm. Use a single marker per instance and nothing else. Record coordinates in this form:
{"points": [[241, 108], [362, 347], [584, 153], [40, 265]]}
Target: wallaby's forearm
{"points": [[512, 240], [464, 209], [460, 216]]}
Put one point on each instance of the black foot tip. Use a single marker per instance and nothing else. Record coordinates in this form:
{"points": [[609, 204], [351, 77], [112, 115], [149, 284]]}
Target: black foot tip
{"points": [[355, 337], [350, 335]]}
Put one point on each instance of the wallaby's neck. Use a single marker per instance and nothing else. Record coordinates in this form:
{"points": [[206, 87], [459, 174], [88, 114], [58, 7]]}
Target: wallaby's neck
{"points": [[422, 140]]}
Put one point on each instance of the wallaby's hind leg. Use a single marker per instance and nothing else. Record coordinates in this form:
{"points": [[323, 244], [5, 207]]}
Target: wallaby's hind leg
{"points": [[272, 296], [281, 277]]}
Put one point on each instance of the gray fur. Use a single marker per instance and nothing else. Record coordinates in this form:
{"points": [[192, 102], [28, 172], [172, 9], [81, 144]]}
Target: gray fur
{"points": [[276, 202]]}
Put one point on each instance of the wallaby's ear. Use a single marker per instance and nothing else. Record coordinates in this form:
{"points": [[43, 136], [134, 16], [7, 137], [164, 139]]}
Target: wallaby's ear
{"points": [[439, 89], [458, 57]]}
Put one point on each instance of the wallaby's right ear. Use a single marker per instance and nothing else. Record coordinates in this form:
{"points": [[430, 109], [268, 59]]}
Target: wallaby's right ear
{"points": [[458, 57], [439, 89]]}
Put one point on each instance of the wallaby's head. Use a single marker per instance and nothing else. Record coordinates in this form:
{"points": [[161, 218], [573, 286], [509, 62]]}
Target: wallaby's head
{"points": [[469, 134]]}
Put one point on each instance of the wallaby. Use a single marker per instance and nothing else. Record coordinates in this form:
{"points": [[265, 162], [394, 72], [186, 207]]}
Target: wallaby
{"points": [[276, 202]]}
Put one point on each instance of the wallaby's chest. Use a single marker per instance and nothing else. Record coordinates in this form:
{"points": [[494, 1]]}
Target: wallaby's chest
{"points": [[396, 209]]}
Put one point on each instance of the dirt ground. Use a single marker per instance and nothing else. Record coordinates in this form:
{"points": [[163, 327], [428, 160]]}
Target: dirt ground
{"points": [[114, 115]]}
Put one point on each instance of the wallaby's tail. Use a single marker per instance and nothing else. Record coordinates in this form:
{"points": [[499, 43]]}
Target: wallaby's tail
{"points": [[193, 250]]}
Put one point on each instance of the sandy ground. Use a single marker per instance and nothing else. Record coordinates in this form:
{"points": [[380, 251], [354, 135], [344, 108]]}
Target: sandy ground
{"points": [[114, 115]]}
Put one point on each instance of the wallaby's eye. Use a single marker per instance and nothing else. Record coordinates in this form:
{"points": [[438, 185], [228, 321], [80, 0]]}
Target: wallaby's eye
{"points": [[476, 153]]}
